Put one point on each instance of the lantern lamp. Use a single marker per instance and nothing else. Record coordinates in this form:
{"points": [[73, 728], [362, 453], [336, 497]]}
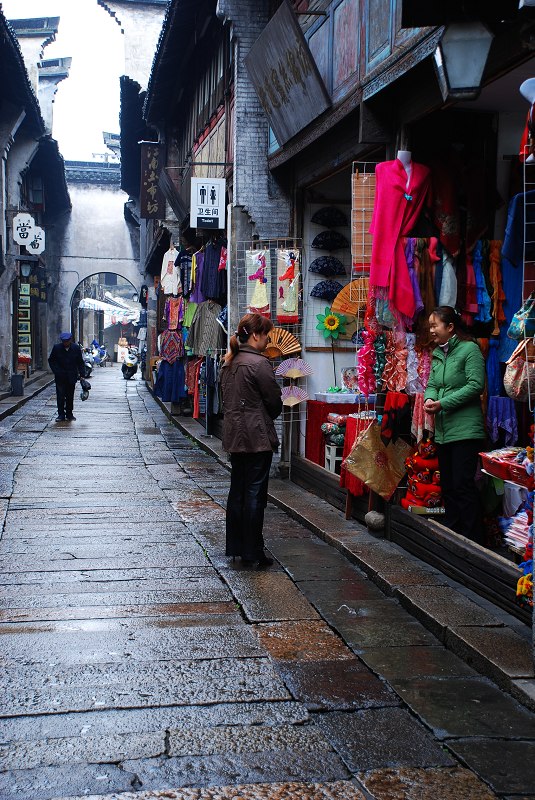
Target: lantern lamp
{"points": [[460, 59]]}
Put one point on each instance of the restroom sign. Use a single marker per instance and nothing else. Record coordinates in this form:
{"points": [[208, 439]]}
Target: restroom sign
{"points": [[207, 203]]}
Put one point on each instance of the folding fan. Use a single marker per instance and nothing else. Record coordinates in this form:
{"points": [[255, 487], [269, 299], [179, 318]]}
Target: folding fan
{"points": [[281, 343], [293, 395], [353, 297], [293, 368]]}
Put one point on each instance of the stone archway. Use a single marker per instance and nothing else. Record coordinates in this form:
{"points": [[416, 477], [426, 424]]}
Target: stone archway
{"points": [[105, 307]]}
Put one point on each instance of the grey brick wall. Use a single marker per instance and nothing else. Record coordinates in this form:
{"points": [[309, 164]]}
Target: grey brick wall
{"points": [[255, 189]]}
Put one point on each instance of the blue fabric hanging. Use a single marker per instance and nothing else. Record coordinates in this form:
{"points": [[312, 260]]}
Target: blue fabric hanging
{"points": [[494, 381], [483, 299], [170, 384]]}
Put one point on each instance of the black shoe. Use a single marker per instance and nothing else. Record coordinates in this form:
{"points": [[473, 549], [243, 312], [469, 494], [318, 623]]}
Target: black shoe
{"points": [[71, 417], [60, 418], [264, 561]]}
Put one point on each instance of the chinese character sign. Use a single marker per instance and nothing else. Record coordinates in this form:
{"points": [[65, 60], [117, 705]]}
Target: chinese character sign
{"points": [[36, 243], [152, 201], [207, 203], [285, 76], [23, 227]]}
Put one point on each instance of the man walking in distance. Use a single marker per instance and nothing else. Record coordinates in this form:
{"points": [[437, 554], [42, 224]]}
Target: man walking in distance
{"points": [[67, 364]]}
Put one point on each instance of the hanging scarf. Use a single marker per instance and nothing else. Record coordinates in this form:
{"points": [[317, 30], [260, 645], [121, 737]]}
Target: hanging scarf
{"points": [[396, 210]]}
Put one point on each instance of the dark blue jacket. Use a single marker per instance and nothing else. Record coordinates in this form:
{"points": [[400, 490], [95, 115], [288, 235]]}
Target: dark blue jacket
{"points": [[67, 364]]}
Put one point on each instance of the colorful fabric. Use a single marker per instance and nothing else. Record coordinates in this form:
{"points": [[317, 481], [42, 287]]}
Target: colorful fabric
{"points": [[501, 414], [288, 280], [422, 422], [258, 268], [395, 416], [197, 269], [498, 295], [395, 371], [396, 210], [174, 312], [171, 346]]}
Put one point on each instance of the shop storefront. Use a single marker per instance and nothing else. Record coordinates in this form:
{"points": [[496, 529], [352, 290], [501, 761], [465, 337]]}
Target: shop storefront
{"points": [[464, 242]]}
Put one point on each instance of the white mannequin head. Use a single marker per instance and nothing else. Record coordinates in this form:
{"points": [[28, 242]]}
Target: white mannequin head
{"points": [[527, 90]]}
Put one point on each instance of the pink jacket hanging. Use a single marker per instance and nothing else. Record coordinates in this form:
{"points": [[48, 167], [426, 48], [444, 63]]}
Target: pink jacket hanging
{"points": [[396, 210]]}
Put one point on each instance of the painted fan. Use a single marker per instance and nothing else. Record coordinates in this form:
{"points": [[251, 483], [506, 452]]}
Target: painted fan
{"points": [[293, 368], [353, 297], [281, 343], [293, 395]]}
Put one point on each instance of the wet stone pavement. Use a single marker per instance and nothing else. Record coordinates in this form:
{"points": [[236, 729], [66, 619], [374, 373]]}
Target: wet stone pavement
{"points": [[138, 662]]}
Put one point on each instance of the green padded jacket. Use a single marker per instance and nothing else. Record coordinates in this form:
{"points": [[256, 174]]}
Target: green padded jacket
{"points": [[457, 380]]}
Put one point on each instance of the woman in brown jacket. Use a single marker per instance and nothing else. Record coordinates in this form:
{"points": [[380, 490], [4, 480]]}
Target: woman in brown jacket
{"points": [[251, 401]]}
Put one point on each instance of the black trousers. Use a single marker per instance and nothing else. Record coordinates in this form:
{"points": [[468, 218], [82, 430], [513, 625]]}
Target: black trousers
{"points": [[65, 397], [247, 500], [458, 464]]}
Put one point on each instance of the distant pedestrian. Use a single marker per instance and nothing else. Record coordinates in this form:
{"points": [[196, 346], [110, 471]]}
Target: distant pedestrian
{"points": [[251, 401], [67, 364]]}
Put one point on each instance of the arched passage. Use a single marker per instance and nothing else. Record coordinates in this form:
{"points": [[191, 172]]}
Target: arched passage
{"points": [[105, 307]]}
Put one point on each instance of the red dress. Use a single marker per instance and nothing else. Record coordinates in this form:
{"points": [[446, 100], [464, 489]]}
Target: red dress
{"points": [[396, 210]]}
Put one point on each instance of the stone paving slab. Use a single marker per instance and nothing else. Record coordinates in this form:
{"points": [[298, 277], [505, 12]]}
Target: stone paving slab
{"points": [[47, 691], [131, 612], [145, 640], [24, 730], [45, 782], [190, 555], [125, 598], [335, 685], [301, 641], [248, 767], [441, 607], [150, 578], [508, 767], [425, 784], [110, 749], [414, 662], [497, 652], [455, 707], [370, 624], [76, 530], [295, 790], [268, 596], [382, 737]]}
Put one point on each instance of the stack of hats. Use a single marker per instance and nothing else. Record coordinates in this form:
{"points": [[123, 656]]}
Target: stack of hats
{"points": [[423, 477], [334, 429]]}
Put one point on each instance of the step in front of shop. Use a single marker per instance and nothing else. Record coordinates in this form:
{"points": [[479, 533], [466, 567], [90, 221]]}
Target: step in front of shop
{"points": [[488, 574]]}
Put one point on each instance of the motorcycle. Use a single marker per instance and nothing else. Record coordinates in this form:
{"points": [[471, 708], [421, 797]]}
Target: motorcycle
{"points": [[130, 363], [88, 361], [100, 354]]}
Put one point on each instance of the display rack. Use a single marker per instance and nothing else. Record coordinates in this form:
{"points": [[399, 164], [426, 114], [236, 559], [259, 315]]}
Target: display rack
{"points": [[268, 255]]}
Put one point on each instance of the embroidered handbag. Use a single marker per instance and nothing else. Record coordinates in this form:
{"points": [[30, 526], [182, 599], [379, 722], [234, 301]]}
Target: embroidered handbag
{"points": [[519, 378], [523, 323], [379, 466]]}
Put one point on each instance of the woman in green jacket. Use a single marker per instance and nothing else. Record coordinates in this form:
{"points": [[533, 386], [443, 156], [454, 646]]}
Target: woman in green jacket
{"points": [[453, 395]]}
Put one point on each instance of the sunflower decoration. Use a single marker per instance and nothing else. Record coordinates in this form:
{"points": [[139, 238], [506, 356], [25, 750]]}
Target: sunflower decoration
{"points": [[331, 324]]}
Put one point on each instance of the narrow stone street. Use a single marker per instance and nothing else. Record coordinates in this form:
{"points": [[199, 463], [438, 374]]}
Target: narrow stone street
{"points": [[138, 661]]}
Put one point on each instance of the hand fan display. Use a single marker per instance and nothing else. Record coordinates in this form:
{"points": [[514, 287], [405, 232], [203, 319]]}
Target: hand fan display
{"points": [[352, 298], [293, 368], [281, 343], [293, 395]]}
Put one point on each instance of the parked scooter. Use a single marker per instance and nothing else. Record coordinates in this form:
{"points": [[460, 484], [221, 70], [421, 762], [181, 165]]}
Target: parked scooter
{"points": [[130, 363], [88, 361], [100, 354]]}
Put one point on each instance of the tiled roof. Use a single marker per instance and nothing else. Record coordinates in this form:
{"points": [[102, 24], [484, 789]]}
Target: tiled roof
{"points": [[15, 84]]}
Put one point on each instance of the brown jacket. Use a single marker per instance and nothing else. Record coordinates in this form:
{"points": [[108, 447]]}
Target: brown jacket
{"points": [[251, 401]]}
